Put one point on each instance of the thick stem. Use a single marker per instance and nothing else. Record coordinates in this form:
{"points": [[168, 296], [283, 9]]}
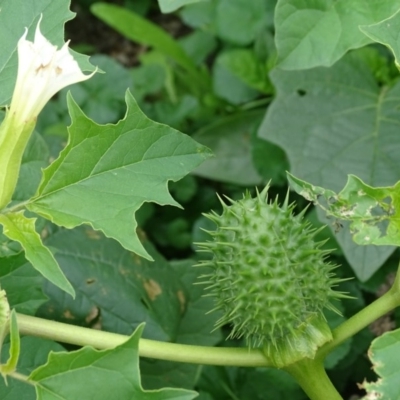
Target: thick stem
{"points": [[363, 318], [71, 334], [311, 376]]}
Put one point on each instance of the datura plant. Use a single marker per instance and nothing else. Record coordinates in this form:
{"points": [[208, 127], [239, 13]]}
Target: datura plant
{"points": [[270, 278]]}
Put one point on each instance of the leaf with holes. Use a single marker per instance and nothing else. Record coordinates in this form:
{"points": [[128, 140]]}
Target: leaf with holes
{"points": [[374, 213], [106, 172], [371, 216], [384, 354]]}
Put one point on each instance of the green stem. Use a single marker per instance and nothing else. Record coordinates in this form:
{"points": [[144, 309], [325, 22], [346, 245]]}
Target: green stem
{"points": [[21, 377], [363, 318], [256, 103], [77, 335], [311, 376], [16, 207]]}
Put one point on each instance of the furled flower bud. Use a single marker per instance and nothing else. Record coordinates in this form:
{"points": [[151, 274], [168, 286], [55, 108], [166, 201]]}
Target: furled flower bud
{"points": [[42, 72], [270, 279]]}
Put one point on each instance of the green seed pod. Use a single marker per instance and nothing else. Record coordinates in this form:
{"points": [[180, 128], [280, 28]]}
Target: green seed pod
{"points": [[269, 278]]}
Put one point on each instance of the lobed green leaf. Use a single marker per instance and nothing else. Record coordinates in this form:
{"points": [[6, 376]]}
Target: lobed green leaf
{"points": [[106, 172], [105, 374]]}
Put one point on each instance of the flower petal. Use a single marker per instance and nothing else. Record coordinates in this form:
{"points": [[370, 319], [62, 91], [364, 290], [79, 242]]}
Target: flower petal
{"points": [[42, 72]]}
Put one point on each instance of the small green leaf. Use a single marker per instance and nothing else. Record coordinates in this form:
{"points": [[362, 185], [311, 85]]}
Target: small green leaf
{"points": [[106, 374], [228, 85], [374, 213], [244, 64], [22, 229], [168, 6], [386, 32], [199, 45], [8, 247], [200, 15], [15, 347], [320, 32], [124, 165], [141, 30], [241, 21], [385, 356]]}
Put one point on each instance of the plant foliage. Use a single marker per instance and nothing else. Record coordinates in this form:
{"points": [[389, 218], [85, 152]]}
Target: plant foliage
{"points": [[98, 294]]}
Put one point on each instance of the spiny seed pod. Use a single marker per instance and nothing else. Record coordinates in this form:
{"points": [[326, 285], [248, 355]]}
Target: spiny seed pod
{"points": [[269, 278]]}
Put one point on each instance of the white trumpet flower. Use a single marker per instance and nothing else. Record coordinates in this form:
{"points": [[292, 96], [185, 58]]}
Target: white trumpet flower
{"points": [[42, 72]]}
